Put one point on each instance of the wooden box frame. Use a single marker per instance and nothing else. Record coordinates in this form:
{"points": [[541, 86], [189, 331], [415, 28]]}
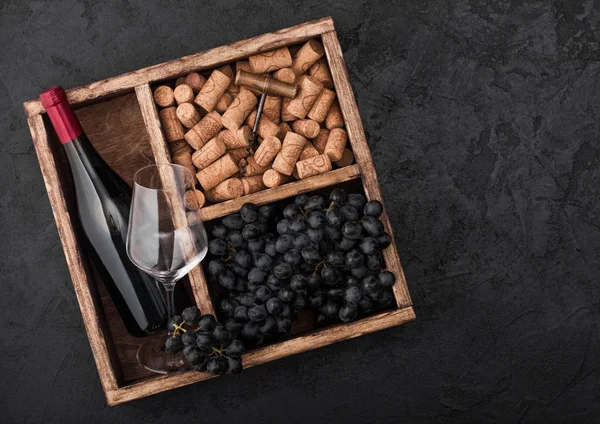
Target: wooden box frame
{"points": [[138, 82]]}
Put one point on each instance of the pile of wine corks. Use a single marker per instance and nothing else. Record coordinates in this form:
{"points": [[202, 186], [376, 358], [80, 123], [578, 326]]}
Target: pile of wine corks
{"points": [[208, 119]]}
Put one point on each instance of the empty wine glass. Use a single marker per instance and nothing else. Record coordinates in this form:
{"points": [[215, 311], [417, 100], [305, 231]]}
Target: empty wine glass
{"points": [[166, 241]]}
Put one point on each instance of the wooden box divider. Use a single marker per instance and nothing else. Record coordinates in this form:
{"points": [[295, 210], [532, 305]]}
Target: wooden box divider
{"points": [[134, 385]]}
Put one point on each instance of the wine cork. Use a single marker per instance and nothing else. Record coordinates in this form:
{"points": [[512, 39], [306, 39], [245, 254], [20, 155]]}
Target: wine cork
{"points": [[306, 128], [270, 61], [319, 110], [334, 117], [238, 154], [336, 143], [253, 184], [184, 158], [163, 96], [266, 152], [320, 141], [231, 188], [272, 178], [190, 200], [308, 94], [285, 75], [224, 102], [239, 109], [204, 130], [209, 153], [179, 146], [195, 80], [288, 155], [308, 54], [347, 158], [200, 198], [266, 127], [308, 152], [215, 86], [285, 115], [233, 89], [249, 167], [183, 94], [216, 172], [320, 71], [237, 138], [272, 108], [188, 115], [313, 166], [170, 122], [179, 81], [284, 128]]}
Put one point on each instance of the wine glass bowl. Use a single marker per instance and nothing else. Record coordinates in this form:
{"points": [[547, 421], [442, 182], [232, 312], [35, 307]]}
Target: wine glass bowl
{"points": [[164, 239]]}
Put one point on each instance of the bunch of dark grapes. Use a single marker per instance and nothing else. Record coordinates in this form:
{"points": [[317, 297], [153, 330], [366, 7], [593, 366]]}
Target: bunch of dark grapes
{"points": [[207, 345], [260, 303], [337, 246]]}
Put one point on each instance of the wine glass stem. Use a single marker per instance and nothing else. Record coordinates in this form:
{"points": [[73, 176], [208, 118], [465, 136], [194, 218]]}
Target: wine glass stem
{"points": [[170, 299]]}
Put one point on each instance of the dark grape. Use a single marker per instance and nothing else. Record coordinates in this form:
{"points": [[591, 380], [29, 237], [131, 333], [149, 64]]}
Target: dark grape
{"points": [[372, 288], [238, 270], [286, 294], [267, 211], [369, 245], [269, 325], [264, 262], [286, 311], [283, 271], [263, 225], [348, 312], [360, 272], [247, 299], [241, 282], [330, 308], [353, 294], [314, 203], [262, 294], [227, 307], [234, 365], [335, 293], [375, 262], [216, 365], [335, 258], [217, 247], [204, 341], [235, 239], [317, 220], [301, 241], [235, 348], [250, 331], [333, 233], [270, 249], [243, 258], [257, 313], [193, 355], [283, 227], [274, 305], [208, 322], [334, 217], [249, 213], [221, 334], [257, 245], [346, 244], [297, 224], [284, 325], [256, 276], [314, 281], [234, 327], [284, 243], [291, 211], [317, 300], [354, 259], [233, 222], [337, 196], [250, 231], [373, 208], [219, 231], [373, 226], [321, 320], [352, 281], [365, 305], [384, 240], [386, 299], [356, 200], [189, 338], [191, 315], [301, 200], [299, 303], [216, 266], [329, 275], [311, 255], [315, 235], [293, 257], [227, 279], [299, 282], [241, 314], [352, 230], [349, 213], [275, 283], [386, 279]]}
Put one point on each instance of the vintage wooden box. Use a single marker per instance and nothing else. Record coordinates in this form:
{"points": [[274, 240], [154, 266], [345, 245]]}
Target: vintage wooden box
{"points": [[120, 117]]}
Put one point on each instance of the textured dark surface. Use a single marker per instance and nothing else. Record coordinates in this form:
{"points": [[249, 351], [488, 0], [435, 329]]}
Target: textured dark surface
{"points": [[483, 118]]}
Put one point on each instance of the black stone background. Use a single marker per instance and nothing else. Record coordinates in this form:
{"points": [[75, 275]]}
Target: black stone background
{"points": [[483, 119]]}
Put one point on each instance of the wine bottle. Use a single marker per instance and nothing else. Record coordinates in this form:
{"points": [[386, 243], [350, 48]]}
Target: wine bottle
{"points": [[103, 201]]}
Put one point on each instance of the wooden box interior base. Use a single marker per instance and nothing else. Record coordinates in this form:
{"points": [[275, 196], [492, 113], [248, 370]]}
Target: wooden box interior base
{"points": [[123, 126]]}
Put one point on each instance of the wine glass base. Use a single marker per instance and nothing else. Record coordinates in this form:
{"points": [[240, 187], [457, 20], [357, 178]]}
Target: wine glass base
{"points": [[152, 356]]}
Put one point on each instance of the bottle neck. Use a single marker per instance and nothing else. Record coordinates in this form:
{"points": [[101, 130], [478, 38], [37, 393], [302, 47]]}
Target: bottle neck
{"points": [[61, 114]]}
